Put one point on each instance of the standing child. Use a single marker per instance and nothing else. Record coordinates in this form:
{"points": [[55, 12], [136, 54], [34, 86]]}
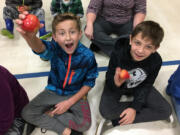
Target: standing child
{"points": [[139, 57], [14, 7], [12, 100], [62, 107], [67, 6]]}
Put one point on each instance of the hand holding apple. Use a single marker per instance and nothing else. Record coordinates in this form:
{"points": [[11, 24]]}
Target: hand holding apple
{"points": [[124, 74], [30, 23]]}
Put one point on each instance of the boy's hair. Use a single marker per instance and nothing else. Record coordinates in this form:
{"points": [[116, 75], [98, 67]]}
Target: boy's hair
{"points": [[63, 17], [150, 30]]}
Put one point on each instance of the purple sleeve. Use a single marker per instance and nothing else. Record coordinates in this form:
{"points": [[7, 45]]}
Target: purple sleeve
{"points": [[95, 6], [6, 104], [12, 99], [140, 6]]}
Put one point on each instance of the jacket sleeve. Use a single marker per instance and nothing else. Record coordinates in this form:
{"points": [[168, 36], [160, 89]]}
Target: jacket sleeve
{"points": [[95, 6], [140, 6], [141, 92], [12, 99], [92, 72]]}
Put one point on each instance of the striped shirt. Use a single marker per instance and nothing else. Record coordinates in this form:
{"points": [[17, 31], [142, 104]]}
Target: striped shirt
{"points": [[117, 11]]}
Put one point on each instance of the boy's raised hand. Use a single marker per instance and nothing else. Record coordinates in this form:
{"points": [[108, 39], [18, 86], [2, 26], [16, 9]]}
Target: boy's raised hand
{"points": [[24, 33], [117, 79]]}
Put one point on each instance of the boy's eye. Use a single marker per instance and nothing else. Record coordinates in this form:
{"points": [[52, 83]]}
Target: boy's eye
{"points": [[137, 43], [60, 33], [73, 31], [149, 47]]}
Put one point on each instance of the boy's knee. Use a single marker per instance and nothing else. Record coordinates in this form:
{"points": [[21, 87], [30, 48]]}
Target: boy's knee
{"points": [[26, 113], [81, 125], [167, 111], [105, 113]]}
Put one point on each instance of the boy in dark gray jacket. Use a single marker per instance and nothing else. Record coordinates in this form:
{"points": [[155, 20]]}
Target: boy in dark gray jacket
{"points": [[139, 57]]}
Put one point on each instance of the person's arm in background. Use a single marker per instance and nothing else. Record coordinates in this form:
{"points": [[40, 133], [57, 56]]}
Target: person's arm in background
{"points": [[92, 11], [12, 99], [6, 106], [91, 17], [139, 12]]}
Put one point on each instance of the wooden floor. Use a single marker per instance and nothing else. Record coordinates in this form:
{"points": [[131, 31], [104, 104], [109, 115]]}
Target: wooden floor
{"points": [[18, 58]]}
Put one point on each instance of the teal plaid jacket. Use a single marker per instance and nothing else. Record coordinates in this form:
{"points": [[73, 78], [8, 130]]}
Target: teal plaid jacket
{"points": [[75, 7]]}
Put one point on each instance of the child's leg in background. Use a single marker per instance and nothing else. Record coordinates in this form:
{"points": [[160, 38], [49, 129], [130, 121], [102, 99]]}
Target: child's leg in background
{"points": [[43, 34], [9, 13], [156, 108]]}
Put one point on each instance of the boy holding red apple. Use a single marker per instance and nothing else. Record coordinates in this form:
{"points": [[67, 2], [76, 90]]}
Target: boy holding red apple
{"points": [[62, 107], [133, 68], [14, 7]]}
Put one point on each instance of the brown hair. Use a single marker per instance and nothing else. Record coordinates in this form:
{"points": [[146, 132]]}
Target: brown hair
{"points": [[63, 17], [150, 30]]}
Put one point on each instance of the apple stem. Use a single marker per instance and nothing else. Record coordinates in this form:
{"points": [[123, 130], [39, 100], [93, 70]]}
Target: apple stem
{"points": [[23, 2]]}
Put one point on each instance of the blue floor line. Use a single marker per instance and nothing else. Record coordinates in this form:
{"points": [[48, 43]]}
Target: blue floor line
{"points": [[100, 69]]}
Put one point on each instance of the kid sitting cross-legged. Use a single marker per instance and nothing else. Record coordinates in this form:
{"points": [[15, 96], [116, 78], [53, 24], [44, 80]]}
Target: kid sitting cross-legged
{"points": [[139, 57], [62, 107]]}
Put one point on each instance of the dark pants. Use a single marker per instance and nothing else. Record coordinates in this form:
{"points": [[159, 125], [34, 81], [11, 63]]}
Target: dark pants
{"points": [[102, 31], [78, 117], [12, 13], [155, 108]]}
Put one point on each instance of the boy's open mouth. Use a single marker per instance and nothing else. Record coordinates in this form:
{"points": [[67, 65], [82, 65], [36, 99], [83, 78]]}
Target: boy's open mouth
{"points": [[69, 45]]}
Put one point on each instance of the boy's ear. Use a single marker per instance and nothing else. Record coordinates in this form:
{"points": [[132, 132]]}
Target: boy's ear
{"points": [[54, 37], [80, 34]]}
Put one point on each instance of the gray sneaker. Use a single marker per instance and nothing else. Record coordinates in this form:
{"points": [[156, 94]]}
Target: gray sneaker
{"points": [[17, 127]]}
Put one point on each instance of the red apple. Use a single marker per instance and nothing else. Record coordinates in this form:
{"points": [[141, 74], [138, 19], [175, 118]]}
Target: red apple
{"points": [[124, 74], [30, 23]]}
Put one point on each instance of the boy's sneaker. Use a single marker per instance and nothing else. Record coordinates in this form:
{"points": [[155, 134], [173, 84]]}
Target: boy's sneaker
{"points": [[30, 128], [46, 36], [17, 127], [7, 33], [73, 132]]}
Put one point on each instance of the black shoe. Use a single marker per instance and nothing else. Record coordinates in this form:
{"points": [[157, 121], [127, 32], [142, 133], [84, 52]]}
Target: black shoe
{"points": [[115, 122], [94, 48], [30, 128], [17, 127], [74, 132]]}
